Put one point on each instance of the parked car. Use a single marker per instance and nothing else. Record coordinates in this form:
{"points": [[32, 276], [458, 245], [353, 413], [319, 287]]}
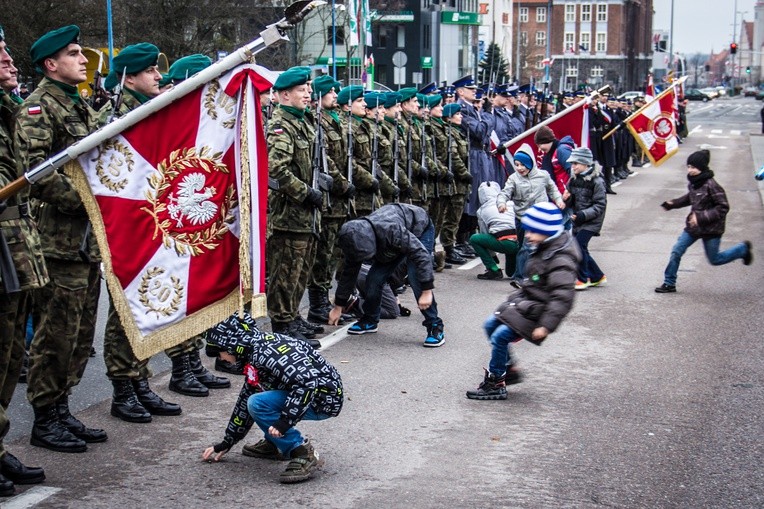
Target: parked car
{"points": [[710, 92], [722, 90], [631, 95], [750, 91], [693, 94]]}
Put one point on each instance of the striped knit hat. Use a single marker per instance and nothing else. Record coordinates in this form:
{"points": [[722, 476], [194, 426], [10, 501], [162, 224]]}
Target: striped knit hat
{"points": [[544, 218]]}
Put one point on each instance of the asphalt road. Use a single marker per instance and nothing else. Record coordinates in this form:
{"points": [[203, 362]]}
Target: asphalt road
{"points": [[638, 400]]}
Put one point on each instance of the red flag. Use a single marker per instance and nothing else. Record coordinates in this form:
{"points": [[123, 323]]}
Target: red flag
{"points": [[572, 121], [165, 201], [654, 128], [650, 89]]}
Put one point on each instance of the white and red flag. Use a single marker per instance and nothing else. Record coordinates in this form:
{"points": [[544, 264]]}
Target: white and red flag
{"points": [[177, 204], [650, 88], [654, 126]]}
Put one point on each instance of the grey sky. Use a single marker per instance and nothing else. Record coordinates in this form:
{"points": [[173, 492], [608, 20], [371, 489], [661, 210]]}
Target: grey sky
{"points": [[701, 26]]}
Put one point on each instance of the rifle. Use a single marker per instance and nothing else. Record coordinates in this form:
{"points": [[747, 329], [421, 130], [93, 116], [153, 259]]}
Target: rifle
{"points": [[351, 211], [316, 165], [409, 143], [118, 99], [423, 163], [375, 153], [435, 158], [396, 155], [96, 85], [450, 161]]}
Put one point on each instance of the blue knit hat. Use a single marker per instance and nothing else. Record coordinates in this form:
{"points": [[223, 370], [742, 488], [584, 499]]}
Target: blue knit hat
{"points": [[544, 218], [524, 158]]}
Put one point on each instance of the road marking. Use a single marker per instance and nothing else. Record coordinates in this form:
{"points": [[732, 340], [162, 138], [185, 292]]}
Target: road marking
{"points": [[716, 131], [717, 137], [695, 130], [736, 132], [647, 165], [333, 338], [30, 498], [471, 264], [708, 146]]}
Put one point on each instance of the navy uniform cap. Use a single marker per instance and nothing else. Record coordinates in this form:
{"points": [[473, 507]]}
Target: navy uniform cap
{"points": [[54, 41], [447, 91], [465, 81], [428, 89], [449, 110], [479, 94], [525, 89], [512, 90]]}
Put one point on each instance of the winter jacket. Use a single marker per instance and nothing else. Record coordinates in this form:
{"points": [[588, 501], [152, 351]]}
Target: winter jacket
{"points": [[588, 200], [555, 162], [525, 192], [277, 362], [388, 234], [546, 296], [490, 220], [710, 206]]}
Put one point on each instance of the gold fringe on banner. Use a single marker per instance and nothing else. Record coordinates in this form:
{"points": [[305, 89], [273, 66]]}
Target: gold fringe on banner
{"points": [[245, 206]]}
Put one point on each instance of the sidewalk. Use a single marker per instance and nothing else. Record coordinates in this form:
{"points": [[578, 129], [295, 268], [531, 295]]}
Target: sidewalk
{"points": [[757, 153]]}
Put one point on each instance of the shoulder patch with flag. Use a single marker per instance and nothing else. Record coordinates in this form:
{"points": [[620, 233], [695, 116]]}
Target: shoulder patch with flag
{"points": [[34, 109], [277, 129]]}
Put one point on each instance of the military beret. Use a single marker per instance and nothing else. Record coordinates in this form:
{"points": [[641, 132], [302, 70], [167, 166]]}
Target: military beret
{"points": [[422, 99], [374, 99], [391, 99], [407, 93], [292, 77], [131, 60], [187, 66], [465, 81], [166, 80], [433, 101], [428, 89], [449, 110], [349, 94], [323, 85], [54, 41]]}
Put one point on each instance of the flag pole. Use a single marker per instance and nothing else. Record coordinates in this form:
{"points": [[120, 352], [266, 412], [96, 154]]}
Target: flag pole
{"points": [[640, 110], [273, 34]]}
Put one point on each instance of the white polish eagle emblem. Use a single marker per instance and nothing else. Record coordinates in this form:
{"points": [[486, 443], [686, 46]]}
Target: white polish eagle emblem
{"points": [[192, 201]]}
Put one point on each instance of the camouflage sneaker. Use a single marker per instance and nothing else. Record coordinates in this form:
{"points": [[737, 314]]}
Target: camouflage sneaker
{"points": [[263, 450], [303, 465]]}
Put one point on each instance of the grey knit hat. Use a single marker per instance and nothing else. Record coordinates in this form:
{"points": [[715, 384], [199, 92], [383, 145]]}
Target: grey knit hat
{"points": [[581, 155]]}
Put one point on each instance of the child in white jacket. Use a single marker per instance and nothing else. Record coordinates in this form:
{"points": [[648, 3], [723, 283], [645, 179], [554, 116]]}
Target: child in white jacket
{"points": [[497, 233]]}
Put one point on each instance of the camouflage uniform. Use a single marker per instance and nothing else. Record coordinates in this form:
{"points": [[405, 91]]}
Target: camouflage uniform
{"points": [[421, 190], [291, 247], [461, 186], [23, 240], [53, 118], [363, 136], [403, 184], [442, 190], [388, 190]]}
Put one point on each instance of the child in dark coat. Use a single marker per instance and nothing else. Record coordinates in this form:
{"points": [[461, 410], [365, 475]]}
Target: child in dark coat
{"points": [[539, 306], [706, 221]]}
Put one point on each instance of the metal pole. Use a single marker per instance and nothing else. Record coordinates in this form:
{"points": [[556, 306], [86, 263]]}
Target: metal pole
{"points": [[548, 41], [110, 33], [517, 60], [334, 41], [671, 39], [734, 37]]}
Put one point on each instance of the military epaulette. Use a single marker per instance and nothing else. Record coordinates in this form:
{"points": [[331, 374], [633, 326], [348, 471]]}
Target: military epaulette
{"points": [[277, 129], [34, 109]]}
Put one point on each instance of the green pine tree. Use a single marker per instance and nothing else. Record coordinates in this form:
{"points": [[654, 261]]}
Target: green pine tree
{"points": [[493, 68]]}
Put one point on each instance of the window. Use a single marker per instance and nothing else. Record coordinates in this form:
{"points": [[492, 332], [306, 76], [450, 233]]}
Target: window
{"points": [[539, 62], [380, 73], [523, 15], [569, 43], [523, 38], [597, 71], [340, 35], [570, 13], [571, 71], [382, 38], [426, 36], [586, 13], [585, 41], [601, 12], [601, 42], [401, 37], [540, 38], [540, 14]]}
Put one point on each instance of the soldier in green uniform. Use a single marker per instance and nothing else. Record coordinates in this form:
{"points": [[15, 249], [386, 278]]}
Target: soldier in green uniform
{"points": [[367, 187], [133, 400], [392, 125], [295, 207], [22, 270], [461, 175], [418, 174], [325, 90], [444, 180], [375, 114], [53, 117]]}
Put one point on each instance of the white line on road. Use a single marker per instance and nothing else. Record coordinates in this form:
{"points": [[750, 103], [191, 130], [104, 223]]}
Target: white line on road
{"points": [[335, 337], [695, 130], [470, 264], [716, 131], [735, 132], [30, 498]]}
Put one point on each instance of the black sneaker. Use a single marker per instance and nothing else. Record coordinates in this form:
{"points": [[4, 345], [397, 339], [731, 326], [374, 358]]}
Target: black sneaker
{"points": [[491, 275], [492, 387], [748, 258], [664, 288]]}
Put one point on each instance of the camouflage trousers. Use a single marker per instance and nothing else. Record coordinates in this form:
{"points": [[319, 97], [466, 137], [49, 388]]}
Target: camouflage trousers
{"points": [[437, 212], [121, 362], [290, 260], [327, 254], [14, 309], [63, 338], [451, 216]]}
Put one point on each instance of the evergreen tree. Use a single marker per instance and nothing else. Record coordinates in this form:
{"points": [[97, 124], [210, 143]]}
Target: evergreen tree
{"points": [[493, 67]]}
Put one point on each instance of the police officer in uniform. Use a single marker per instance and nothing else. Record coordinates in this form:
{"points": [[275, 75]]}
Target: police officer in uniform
{"points": [[54, 117]]}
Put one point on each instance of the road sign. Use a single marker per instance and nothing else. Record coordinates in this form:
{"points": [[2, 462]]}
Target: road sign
{"points": [[399, 75], [399, 59], [416, 77]]}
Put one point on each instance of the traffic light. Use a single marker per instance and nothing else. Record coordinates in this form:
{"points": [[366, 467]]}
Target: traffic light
{"points": [[748, 69], [733, 48]]}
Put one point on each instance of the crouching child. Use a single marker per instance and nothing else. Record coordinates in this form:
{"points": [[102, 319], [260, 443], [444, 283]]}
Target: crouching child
{"points": [[286, 381], [536, 309]]}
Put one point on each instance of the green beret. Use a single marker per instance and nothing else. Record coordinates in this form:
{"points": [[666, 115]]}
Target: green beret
{"points": [[374, 99], [323, 85], [422, 100], [407, 93], [131, 60], [433, 100], [392, 98], [166, 80], [187, 66], [54, 41], [449, 110], [349, 94], [292, 77]]}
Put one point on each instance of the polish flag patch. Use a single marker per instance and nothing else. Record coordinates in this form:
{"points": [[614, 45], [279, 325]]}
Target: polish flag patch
{"points": [[34, 110]]}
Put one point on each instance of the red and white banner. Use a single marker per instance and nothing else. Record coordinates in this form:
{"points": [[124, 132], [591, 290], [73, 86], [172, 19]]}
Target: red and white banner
{"points": [[502, 158], [654, 127], [650, 89], [165, 198]]}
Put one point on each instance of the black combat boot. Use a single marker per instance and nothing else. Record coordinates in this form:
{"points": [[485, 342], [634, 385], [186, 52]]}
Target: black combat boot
{"points": [[296, 325], [151, 401], [291, 329], [125, 404], [50, 433], [18, 473], [233, 368], [492, 387], [320, 306], [183, 380], [310, 326], [453, 256], [75, 427], [6, 487], [204, 376]]}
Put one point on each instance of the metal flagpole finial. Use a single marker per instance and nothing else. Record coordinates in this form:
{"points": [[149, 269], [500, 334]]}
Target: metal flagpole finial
{"points": [[296, 12]]}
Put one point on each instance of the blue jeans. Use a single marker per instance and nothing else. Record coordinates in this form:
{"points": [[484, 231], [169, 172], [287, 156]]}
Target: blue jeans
{"points": [[265, 408], [588, 269], [711, 246], [379, 274], [522, 253], [500, 336]]}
